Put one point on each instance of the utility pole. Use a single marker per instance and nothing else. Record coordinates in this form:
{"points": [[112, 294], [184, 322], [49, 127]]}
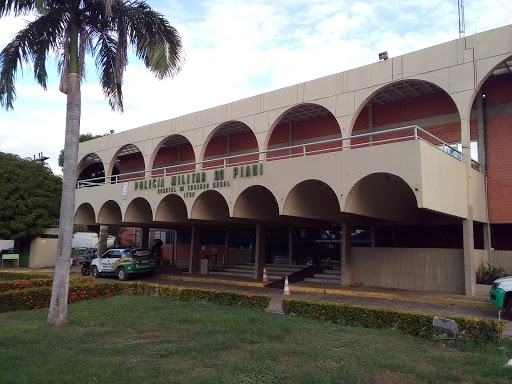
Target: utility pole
{"points": [[462, 24]]}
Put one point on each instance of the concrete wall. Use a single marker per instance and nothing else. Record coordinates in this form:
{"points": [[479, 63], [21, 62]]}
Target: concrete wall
{"points": [[502, 259], [43, 250], [428, 269]]}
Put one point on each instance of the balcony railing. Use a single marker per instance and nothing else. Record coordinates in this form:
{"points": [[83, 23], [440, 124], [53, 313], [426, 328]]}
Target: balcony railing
{"points": [[411, 132]]}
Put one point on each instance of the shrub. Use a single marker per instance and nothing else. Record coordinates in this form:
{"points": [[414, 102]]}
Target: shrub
{"points": [[414, 324], [486, 274], [6, 276], [18, 285], [38, 296]]}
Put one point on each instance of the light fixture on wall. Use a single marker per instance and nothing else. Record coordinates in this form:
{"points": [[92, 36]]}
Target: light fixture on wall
{"points": [[383, 55]]}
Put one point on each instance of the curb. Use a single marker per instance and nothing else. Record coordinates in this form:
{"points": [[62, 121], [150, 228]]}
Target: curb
{"points": [[340, 291], [394, 296]]}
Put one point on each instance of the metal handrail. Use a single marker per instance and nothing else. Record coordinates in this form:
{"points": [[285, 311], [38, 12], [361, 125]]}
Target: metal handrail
{"points": [[203, 165]]}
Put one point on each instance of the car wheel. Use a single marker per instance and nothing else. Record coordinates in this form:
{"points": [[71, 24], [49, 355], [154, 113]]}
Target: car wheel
{"points": [[85, 271], [509, 308], [94, 271], [121, 274]]}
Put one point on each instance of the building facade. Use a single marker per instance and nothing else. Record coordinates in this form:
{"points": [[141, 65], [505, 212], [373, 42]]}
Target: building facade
{"points": [[398, 172]]}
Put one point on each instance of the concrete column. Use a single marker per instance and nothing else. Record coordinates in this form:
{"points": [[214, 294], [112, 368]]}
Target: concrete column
{"points": [[195, 259], [487, 240], [346, 261], [290, 137], [370, 123], [259, 250], [466, 141], [145, 238], [174, 260], [225, 258], [290, 245], [102, 239], [469, 254], [481, 135]]}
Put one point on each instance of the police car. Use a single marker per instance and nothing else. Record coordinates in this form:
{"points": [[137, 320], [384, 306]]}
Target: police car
{"points": [[123, 262]]}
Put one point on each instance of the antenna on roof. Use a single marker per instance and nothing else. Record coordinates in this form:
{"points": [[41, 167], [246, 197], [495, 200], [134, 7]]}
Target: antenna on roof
{"points": [[462, 24]]}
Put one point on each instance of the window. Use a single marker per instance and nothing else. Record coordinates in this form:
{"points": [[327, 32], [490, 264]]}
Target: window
{"points": [[455, 149]]}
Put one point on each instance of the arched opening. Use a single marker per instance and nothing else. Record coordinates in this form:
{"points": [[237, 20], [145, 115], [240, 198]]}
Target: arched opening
{"points": [[139, 211], [128, 164], [317, 239], [85, 215], [304, 124], [173, 155], [383, 196], [258, 203], [110, 213], [172, 209], [210, 205], [491, 114], [232, 143], [324, 205], [90, 171], [407, 103]]}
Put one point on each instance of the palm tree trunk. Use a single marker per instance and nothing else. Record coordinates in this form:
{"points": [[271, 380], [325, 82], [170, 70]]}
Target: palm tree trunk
{"points": [[58, 313]]}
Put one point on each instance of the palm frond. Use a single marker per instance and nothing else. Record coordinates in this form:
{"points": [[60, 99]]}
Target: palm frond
{"points": [[25, 7], [18, 8], [111, 81], [156, 42], [30, 45]]}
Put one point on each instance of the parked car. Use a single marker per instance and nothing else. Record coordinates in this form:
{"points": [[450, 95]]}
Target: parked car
{"points": [[501, 294], [123, 262]]}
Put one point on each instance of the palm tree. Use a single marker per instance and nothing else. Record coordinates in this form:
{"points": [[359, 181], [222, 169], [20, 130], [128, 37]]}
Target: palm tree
{"points": [[72, 29]]}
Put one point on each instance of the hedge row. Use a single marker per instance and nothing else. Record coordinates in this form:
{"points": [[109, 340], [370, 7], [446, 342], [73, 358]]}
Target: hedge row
{"points": [[18, 285], [23, 276], [39, 297], [414, 324]]}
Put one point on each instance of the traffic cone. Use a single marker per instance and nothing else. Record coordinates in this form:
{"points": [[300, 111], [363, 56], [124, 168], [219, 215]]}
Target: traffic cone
{"points": [[286, 291], [265, 276]]}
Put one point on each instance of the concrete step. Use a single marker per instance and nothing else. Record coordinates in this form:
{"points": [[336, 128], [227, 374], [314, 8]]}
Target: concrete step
{"points": [[332, 272], [322, 280], [233, 274], [326, 276]]}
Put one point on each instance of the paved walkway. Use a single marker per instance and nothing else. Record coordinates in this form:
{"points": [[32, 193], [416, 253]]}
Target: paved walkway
{"points": [[440, 304]]}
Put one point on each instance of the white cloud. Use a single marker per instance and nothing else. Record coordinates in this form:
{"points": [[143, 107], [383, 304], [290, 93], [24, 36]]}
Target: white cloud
{"points": [[235, 50]]}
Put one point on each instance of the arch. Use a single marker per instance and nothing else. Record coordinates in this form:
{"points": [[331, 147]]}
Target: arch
{"points": [[502, 68], [138, 211], [231, 138], [402, 103], [172, 208], [382, 195], [300, 202], [91, 169], [301, 124], [130, 164], [110, 213], [210, 205], [256, 202], [85, 214], [170, 152]]}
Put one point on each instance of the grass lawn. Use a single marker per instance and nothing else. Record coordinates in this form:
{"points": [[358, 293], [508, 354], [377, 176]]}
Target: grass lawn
{"points": [[150, 340]]}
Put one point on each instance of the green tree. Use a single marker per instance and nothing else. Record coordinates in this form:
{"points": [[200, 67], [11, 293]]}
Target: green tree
{"points": [[28, 202], [83, 137], [72, 29]]}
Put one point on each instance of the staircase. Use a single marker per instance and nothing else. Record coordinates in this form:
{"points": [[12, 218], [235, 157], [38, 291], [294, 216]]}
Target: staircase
{"points": [[328, 276], [246, 271]]}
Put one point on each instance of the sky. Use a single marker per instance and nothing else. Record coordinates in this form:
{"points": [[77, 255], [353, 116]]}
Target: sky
{"points": [[233, 50]]}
